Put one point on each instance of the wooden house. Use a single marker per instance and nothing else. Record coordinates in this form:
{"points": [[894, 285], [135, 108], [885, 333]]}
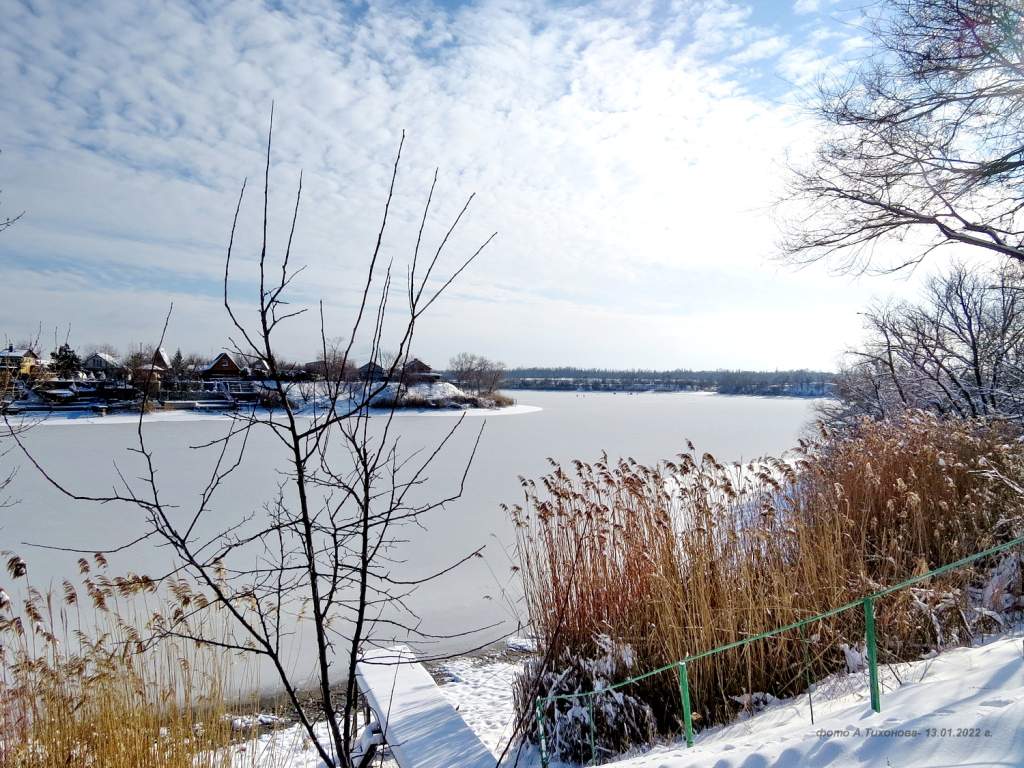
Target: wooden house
{"points": [[161, 360], [417, 372], [223, 366]]}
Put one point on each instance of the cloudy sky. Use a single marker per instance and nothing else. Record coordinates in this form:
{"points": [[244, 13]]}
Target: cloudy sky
{"points": [[626, 153]]}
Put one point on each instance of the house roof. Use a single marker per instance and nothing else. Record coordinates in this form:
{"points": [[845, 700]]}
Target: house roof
{"points": [[107, 358], [160, 358], [418, 366], [218, 358], [370, 367], [13, 352]]}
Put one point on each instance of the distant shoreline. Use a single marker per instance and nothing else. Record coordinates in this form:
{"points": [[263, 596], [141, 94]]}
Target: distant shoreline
{"points": [[654, 391]]}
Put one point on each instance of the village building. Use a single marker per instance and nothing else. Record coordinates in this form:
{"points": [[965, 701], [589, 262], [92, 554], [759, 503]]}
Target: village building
{"points": [[223, 366], [18, 362], [151, 374], [258, 369], [316, 368], [417, 372], [148, 376], [161, 359], [372, 372], [103, 365]]}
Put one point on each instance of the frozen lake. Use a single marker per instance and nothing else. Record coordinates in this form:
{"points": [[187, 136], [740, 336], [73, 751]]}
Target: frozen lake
{"points": [[562, 425]]}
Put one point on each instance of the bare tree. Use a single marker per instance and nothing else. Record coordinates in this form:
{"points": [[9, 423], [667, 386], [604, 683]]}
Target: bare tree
{"points": [[926, 137], [333, 364], [958, 352], [461, 367], [476, 372], [326, 544], [139, 355]]}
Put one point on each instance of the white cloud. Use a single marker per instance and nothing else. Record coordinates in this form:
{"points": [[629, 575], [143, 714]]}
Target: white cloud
{"points": [[625, 164]]}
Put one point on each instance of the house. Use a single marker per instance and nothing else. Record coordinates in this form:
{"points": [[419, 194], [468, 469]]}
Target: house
{"points": [[161, 360], [417, 372], [148, 376], [103, 364], [223, 366], [372, 372], [18, 362], [316, 368]]}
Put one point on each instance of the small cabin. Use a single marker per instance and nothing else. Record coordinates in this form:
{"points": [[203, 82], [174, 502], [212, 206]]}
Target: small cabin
{"points": [[161, 360], [223, 366], [372, 372], [148, 376], [417, 372]]}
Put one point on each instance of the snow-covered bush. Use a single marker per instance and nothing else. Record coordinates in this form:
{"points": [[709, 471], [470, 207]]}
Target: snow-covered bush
{"points": [[620, 717]]}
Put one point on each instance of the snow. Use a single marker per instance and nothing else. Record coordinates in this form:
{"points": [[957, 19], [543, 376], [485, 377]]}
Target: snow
{"points": [[250, 722], [479, 689], [482, 693], [65, 418], [521, 644], [960, 707], [420, 725]]}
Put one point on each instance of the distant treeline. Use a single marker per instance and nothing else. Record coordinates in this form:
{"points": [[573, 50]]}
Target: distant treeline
{"points": [[799, 383]]}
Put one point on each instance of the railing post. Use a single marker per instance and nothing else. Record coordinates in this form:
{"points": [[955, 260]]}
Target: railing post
{"points": [[684, 697], [542, 739], [590, 715], [872, 649], [807, 670]]}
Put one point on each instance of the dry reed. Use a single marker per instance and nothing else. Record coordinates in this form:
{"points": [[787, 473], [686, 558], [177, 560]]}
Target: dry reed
{"points": [[86, 679], [657, 563]]}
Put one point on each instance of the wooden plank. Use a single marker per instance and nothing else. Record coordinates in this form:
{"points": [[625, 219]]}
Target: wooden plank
{"points": [[420, 726]]}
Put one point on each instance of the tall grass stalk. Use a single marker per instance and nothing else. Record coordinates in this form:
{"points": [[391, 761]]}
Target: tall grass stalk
{"points": [[90, 677], [628, 567]]}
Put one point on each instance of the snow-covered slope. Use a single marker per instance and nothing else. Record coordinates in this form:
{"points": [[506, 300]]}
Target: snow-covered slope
{"points": [[963, 707]]}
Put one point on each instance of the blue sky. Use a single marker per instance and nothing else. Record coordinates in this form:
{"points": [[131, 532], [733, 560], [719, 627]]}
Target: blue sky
{"points": [[626, 153]]}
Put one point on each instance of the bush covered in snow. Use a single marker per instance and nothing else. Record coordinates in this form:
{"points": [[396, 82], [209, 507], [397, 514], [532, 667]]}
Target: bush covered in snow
{"points": [[620, 717], [438, 394]]}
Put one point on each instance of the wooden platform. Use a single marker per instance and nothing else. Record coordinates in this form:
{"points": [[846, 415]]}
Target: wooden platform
{"points": [[420, 726]]}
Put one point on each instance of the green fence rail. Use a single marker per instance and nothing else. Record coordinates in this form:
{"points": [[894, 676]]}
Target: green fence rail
{"points": [[867, 603]]}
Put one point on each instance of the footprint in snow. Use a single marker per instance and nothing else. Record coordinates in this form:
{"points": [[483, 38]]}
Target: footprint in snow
{"points": [[996, 703]]}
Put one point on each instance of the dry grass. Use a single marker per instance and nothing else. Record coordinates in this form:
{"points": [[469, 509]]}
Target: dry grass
{"points": [[690, 555], [82, 682], [501, 400]]}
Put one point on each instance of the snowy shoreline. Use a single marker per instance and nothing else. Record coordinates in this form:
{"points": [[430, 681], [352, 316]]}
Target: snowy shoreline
{"points": [[68, 418], [957, 707]]}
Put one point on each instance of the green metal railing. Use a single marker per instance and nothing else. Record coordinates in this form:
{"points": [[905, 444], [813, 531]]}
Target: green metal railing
{"points": [[867, 603]]}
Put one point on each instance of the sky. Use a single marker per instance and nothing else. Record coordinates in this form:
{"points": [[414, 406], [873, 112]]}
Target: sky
{"points": [[627, 154]]}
